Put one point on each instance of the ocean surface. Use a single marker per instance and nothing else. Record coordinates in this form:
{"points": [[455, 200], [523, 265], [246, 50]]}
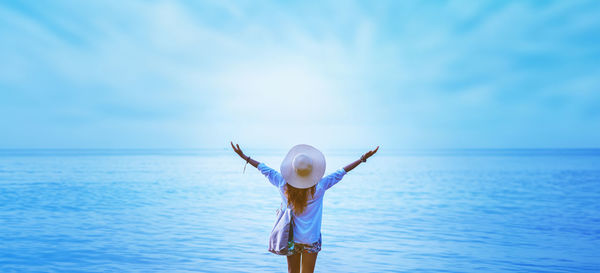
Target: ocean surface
{"points": [[402, 211]]}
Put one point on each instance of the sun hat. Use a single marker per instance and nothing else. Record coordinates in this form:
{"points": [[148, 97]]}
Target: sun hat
{"points": [[303, 166]]}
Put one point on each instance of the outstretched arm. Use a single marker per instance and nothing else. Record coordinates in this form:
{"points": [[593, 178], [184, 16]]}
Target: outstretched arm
{"points": [[363, 158], [238, 150], [274, 176]]}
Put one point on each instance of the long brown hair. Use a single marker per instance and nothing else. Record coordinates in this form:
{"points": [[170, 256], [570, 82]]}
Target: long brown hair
{"points": [[298, 198]]}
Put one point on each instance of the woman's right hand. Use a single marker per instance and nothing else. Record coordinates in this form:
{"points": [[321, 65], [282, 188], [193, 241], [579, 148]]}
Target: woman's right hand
{"points": [[368, 154]]}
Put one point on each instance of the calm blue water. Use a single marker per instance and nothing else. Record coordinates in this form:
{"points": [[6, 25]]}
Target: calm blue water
{"points": [[404, 211]]}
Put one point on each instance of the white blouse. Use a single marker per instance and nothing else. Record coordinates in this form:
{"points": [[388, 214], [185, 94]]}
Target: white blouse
{"points": [[307, 226]]}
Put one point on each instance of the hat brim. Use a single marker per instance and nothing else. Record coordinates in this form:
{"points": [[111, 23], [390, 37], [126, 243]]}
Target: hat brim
{"points": [[318, 168]]}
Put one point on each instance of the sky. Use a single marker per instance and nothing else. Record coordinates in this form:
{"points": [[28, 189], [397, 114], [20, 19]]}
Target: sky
{"points": [[272, 74]]}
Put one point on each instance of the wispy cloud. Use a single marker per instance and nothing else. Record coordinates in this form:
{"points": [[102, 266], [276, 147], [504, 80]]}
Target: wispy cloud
{"points": [[340, 74]]}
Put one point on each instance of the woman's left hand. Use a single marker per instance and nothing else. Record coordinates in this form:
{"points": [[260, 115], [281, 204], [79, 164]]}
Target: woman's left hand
{"points": [[238, 150]]}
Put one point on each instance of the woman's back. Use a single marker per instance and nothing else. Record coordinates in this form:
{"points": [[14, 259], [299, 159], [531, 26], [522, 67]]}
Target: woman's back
{"points": [[307, 225]]}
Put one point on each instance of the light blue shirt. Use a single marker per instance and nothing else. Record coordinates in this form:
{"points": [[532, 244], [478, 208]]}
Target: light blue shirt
{"points": [[307, 226]]}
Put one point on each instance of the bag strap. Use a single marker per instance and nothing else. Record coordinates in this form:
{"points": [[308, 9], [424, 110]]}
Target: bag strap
{"points": [[291, 234]]}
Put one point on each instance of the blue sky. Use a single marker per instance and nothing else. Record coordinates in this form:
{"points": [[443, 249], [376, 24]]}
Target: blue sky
{"points": [[341, 74]]}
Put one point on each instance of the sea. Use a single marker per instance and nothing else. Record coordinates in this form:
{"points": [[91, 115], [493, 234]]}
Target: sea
{"points": [[496, 210]]}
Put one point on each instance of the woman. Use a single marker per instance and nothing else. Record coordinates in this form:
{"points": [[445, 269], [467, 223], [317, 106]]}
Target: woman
{"points": [[302, 186]]}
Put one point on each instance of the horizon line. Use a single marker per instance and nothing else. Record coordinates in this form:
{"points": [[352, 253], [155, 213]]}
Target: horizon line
{"points": [[337, 149]]}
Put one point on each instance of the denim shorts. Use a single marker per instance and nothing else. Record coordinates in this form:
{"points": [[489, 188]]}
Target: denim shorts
{"points": [[296, 248]]}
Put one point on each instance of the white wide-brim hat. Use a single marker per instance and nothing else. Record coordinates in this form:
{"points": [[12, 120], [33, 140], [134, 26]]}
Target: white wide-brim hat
{"points": [[303, 166]]}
